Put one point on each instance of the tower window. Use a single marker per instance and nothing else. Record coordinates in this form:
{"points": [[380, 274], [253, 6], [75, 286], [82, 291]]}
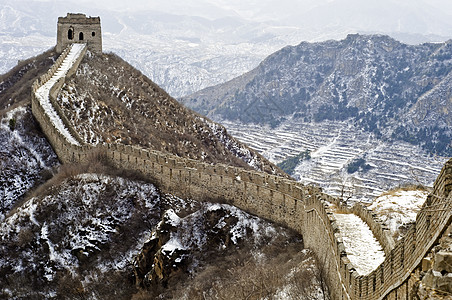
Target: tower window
{"points": [[80, 36], [70, 34], [93, 33]]}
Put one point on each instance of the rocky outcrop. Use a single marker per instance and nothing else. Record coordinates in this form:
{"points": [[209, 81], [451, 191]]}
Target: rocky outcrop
{"points": [[155, 264], [437, 266], [179, 246]]}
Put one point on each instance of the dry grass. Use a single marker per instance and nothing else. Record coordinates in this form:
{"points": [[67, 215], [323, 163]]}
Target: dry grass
{"points": [[405, 188], [139, 112], [15, 85]]}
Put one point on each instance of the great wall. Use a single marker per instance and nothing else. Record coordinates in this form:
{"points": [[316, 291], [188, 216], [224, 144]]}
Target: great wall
{"points": [[303, 208]]}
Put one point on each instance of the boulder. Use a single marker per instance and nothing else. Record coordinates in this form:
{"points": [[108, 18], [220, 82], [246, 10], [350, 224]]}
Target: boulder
{"points": [[443, 262]]}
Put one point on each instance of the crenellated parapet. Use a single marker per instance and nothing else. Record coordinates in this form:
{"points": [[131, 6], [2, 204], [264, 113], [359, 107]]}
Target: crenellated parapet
{"points": [[303, 208]]}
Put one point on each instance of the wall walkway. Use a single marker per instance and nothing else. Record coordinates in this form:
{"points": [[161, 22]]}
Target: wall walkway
{"points": [[302, 208]]}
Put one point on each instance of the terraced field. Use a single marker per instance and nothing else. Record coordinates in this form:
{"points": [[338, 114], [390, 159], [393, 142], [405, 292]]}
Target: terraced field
{"points": [[333, 146]]}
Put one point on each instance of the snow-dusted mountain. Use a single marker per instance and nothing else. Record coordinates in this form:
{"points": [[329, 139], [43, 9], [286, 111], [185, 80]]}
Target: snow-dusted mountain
{"points": [[372, 112], [82, 238], [190, 45], [386, 87]]}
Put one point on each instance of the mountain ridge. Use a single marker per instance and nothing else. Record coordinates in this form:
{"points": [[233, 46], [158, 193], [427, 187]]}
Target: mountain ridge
{"points": [[378, 83]]}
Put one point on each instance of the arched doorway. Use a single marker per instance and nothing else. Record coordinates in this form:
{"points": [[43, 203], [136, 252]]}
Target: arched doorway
{"points": [[80, 36], [70, 34]]}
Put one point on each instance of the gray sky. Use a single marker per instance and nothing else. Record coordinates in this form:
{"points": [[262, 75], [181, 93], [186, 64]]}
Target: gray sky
{"points": [[426, 17], [412, 21], [256, 9]]}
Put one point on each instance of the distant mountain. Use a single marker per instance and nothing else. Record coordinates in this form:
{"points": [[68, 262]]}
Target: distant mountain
{"points": [[394, 90], [201, 43]]}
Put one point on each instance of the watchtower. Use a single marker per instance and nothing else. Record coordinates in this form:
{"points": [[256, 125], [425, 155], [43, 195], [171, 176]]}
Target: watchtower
{"points": [[77, 28]]}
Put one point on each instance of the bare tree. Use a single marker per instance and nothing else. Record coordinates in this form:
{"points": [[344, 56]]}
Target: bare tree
{"points": [[309, 282]]}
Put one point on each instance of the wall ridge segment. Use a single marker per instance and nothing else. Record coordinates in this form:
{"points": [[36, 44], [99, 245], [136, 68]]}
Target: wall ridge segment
{"points": [[302, 208]]}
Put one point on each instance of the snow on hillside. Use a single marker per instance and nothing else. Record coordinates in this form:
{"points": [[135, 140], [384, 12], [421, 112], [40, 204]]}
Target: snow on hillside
{"points": [[244, 225], [333, 146], [398, 208], [110, 101], [86, 221], [82, 235], [238, 149], [14, 49], [25, 157]]}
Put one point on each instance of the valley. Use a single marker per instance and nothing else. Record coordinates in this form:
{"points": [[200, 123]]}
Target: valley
{"points": [[333, 146]]}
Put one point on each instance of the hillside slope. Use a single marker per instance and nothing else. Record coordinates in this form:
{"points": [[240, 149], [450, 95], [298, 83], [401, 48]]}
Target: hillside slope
{"points": [[110, 101], [15, 85], [26, 158], [393, 90], [79, 238]]}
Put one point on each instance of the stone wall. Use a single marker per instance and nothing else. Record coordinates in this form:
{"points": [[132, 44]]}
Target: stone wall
{"points": [[304, 209], [81, 29]]}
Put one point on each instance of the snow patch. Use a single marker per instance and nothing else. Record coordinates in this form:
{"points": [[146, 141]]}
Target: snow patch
{"points": [[399, 208], [363, 249], [172, 245]]}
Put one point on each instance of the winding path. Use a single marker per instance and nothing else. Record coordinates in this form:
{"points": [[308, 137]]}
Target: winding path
{"points": [[43, 92], [363, 249]]}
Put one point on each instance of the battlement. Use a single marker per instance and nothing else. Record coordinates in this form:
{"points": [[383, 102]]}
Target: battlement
{"points": [[77, 28], [79, 19]]}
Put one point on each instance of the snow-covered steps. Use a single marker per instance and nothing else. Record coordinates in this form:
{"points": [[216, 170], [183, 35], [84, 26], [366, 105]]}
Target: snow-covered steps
{"points": [[363, 249], [399, 208], [43, 92]]}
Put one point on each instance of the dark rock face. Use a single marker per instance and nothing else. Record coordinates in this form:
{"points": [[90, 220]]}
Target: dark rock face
{"points": [[155, 265], [443, 262], [386, 87], [163, 256], [179, 247]]}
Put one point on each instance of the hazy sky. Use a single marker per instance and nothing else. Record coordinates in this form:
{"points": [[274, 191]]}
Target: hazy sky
{"points": [[254, 9], [312, 17]]}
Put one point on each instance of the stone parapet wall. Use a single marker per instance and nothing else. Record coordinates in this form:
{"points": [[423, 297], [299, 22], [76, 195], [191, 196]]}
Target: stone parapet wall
{"points": [[62, 147], [302, 208]]}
